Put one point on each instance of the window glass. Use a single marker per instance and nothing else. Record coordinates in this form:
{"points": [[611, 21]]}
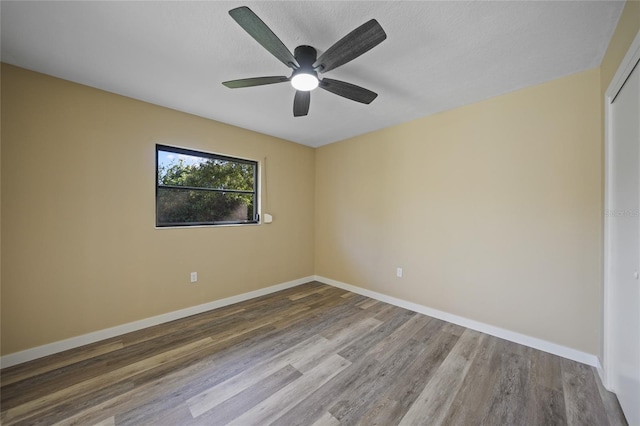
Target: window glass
{"points": [[198, 188]]}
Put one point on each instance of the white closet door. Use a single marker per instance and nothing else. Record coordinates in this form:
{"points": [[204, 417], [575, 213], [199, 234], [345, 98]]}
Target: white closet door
{"points": [[624, 217]]}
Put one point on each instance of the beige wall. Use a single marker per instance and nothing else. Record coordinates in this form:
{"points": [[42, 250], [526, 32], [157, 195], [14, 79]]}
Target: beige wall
{"points": [[79, 248], [493, 210]]}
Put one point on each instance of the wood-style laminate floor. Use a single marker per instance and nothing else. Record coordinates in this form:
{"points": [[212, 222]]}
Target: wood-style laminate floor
{"points": [[310, 355]]}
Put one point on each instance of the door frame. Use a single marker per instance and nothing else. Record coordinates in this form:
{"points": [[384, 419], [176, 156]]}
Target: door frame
{"points": [[625, 69]]}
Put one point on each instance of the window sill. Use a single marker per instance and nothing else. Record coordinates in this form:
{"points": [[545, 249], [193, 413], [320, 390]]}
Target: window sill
{"points": [[209, 226]]}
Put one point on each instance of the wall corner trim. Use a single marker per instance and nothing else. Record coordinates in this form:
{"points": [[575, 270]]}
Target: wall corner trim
{"points": [[85, 339], [512, 336]]}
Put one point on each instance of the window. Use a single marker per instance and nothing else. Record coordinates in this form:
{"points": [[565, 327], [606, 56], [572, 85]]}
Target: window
{"points": [[198, 188]]}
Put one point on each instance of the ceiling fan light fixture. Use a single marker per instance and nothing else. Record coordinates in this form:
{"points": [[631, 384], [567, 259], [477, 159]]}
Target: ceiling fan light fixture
{"points": [[304, 81], [305, 62]]}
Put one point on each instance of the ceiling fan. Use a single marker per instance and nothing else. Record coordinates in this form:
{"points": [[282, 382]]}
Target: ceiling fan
{"points": [[304, 61]]}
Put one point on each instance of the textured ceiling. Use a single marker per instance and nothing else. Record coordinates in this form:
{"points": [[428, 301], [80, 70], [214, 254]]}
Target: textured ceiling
{"points": [[437, 56]]}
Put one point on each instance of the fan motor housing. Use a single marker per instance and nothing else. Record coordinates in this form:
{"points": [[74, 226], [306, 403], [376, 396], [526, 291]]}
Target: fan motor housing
{"points": [[305, 55]]}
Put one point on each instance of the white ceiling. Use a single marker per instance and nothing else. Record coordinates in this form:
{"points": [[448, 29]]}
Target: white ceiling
{"points": [[437, 56]]}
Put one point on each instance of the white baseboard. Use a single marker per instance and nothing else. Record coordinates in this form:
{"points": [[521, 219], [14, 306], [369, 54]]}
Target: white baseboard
{"points": [[512, 336], [85, 339], [96, 336], [603, 377]]}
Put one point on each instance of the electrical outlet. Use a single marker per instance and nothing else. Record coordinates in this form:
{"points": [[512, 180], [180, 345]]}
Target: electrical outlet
{"points": [[399, 272], [194, 277]]}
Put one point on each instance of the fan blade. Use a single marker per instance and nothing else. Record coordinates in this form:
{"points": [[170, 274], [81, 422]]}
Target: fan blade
{"points": [[348, 90], [257, 29], [301, 103], [255, 81], [361, 40]]}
